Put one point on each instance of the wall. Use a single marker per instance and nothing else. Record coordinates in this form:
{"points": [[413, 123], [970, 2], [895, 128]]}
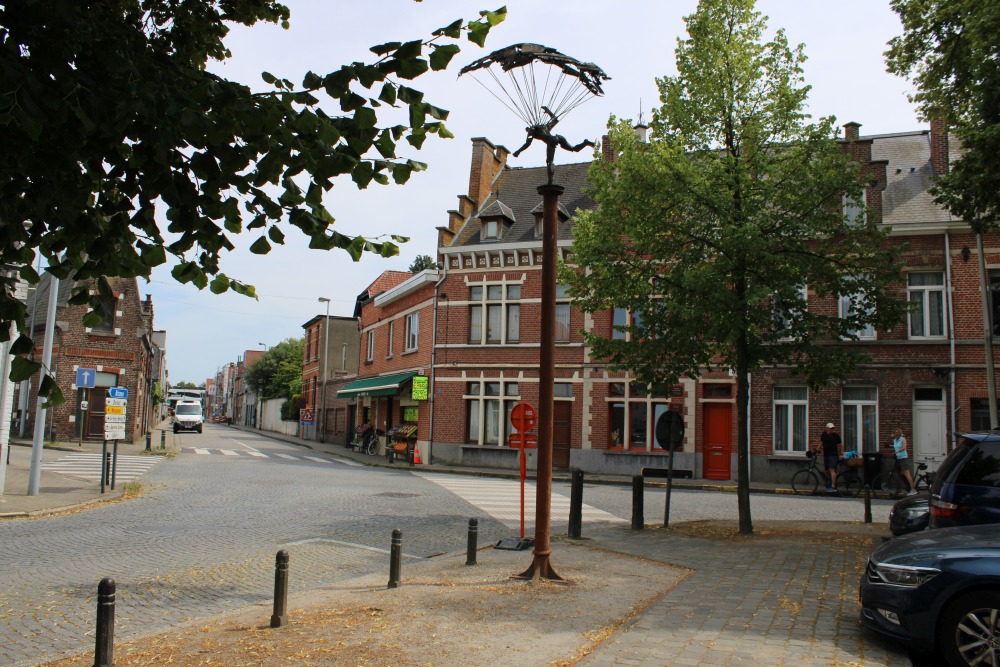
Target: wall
{"points": [[271, 418]]}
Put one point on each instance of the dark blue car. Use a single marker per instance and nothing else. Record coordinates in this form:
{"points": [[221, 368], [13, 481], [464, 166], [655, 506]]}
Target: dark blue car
{"points": [[966, 489], [938, 590]]}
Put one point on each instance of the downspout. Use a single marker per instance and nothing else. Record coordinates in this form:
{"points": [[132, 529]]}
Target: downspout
{"points": [[430, 425], [951, 337]]}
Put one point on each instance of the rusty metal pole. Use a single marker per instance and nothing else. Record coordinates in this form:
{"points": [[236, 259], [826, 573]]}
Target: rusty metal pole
{"points": [[540, 567]]}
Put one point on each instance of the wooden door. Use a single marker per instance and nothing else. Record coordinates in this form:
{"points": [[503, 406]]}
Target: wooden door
{"points": [[561, 417], [95, 413], [718, 450]]}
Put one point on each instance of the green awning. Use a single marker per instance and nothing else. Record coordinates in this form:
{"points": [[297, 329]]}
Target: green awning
{"points": [[384, 385]]}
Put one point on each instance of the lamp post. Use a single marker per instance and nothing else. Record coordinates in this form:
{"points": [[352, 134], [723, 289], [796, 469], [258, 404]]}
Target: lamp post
{"points": [[321, 427]]}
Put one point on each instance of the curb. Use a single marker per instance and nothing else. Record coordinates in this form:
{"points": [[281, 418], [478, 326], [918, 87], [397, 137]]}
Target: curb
{"points": [[33, 514]]}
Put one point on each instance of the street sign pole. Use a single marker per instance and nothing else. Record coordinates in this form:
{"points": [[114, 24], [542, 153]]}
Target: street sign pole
{"points": [[104, 461], [114, 464]]}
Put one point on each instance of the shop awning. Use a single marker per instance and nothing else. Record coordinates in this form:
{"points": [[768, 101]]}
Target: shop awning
{"points": [[384, 385]]}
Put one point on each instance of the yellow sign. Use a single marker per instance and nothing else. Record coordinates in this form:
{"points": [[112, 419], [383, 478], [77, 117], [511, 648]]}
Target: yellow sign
{"points": [[419, 388], [114, 410]]}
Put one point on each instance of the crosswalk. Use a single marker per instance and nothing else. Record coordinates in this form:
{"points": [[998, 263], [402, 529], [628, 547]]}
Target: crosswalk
{"points": [[88, 466], [257, 454], [501, 499]]}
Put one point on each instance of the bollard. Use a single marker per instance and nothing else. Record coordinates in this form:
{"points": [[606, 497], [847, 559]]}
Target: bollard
{"points": [[470, 551], [107, 468], [104, 650], [280, 615], [868, 503], [637, 513], [395, 558], [149, 441], [163, 439], [576, 505]]}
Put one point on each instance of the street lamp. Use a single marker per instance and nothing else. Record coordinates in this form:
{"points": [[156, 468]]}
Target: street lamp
{"points": [[542, 96], [264, 345], [326, 349]]}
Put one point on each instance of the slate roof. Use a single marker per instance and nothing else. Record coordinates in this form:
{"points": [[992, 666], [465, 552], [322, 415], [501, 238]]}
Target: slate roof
{"points": [[906, 199], [38, 298], [517, 188]]}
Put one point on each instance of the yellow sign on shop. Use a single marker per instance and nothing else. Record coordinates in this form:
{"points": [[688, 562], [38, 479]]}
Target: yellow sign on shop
{"points": [[114, 409]]}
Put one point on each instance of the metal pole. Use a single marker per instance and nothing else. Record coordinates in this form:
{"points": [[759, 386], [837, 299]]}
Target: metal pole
{"points": [[991, 383], [576, 505], [35, 474], [541, 567], [114, 464], [638, 522], [280, 615], [104, 463], [104, 650], [868, 503], [326, 354], [395, 558], [163, 439], [473, 542]]}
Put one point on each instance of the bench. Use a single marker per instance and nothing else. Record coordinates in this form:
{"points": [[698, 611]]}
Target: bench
{"points": [[663, 473]]}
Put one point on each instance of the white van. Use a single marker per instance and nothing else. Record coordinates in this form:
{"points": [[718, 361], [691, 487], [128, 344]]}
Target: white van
{"points": [[187, 416]]}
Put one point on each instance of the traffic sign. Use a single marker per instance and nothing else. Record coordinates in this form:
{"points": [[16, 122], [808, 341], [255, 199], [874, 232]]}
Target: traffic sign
{"points": [[116, 401], [114, 431], [86, 378], [114, 419], [117, 392], [306, 417], [529, 440], [84, 405], [114, 409], [522, 417]]}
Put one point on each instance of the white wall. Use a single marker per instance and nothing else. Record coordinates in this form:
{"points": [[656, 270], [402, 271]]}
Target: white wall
{"points": [[271, 419]]}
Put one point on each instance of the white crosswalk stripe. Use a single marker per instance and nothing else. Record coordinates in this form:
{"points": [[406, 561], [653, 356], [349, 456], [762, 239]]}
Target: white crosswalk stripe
{"points": [[205, 451], [501, 499], [88, 466]]}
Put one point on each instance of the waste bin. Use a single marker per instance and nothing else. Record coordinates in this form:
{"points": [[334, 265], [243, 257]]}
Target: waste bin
{"points": [[873, 465]]}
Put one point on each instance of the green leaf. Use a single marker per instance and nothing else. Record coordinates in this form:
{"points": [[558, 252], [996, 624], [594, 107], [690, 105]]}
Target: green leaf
{"points": [[436, 112], [478, 33], [219, 284], [411, 68], [22, 369], [260, 246], [365, 118], [388, 94], [409, 95], [276, 235], [52, 392], [383, 49], [441, 55], [268, 77], [495, 17], [453, 29], [311, 81]]}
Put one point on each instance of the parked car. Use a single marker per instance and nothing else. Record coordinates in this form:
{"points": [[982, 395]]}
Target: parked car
{"points": [[187, 416], [910, 514], [938, 590], [966, 489]]}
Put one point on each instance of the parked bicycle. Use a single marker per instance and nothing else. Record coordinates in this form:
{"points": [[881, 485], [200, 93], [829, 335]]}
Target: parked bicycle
{"points": [[807, 480], [893, 483], [365, 440]]}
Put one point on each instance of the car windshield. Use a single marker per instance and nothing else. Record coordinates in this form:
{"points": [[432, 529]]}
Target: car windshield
{"points": [[188, 410]]}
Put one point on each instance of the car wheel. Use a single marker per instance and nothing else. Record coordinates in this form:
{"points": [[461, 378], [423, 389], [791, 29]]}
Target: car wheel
{"points": [[970, 630], [199, 428]]}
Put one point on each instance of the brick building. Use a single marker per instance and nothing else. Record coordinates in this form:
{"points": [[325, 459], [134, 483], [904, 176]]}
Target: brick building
{"points": [[121, 352], [927, 375], [335, 354]]}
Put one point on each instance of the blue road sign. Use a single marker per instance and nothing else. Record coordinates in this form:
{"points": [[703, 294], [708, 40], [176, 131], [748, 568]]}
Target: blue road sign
{"points": [[117, 392], [86, 378]]}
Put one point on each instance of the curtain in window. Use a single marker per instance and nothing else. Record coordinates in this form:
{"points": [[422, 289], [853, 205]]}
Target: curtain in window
{"points": [[492, 422], [513, 323], [473, 435], [562, 322], [476, 324], [493, 322]]}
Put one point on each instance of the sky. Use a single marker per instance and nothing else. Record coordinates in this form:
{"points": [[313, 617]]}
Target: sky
{"points": [[633, 41]]}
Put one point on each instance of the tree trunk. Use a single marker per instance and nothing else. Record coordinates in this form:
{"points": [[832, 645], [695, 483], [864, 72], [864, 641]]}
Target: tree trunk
{"points": [[743, 436]]}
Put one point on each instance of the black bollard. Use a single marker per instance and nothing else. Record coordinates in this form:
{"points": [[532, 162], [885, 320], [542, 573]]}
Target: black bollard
{"points": [[104, 462], [868, 503], [473, 544], [104, 650], [107, 468], [149, 441], [395, 558], [637, 512], [576, 505], [163, 439], [280, 615]]}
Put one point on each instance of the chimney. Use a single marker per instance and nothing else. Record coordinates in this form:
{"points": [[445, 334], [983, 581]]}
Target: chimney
{"points": [[607, 153], [641, 131], [939, 146], [487, 161], [851, 131]]}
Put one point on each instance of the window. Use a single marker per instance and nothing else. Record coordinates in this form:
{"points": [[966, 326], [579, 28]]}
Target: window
{"points": [[627, 319], [491, 228], [855, 209], [633, 417], [412, 331], [539, 226], [849, 307], [494, 314], [926, 292], [107, 326], [370, 346], [788, 310], [995, 302], [392, 330], [488, 406], [562, 313], [860, 410], [980, 414], [791, 419]]}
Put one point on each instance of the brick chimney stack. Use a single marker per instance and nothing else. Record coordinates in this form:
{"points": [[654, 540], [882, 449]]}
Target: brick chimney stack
{"points": [[487, 161], [851, 131], [939, 146], [607, 153]]}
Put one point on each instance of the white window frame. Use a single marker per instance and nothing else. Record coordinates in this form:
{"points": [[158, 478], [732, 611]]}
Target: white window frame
{"points": [[855, 212], [484, 410], [854, 410], [845, 306], [630, 321], [412, 335], [784, 410], [781, 316], [391, 332], [509, 332], [370, 346], [491, 228], [921, 294], [563, 309]]}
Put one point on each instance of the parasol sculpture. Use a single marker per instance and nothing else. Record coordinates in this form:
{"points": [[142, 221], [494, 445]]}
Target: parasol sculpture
{"points": [[541, 85]]}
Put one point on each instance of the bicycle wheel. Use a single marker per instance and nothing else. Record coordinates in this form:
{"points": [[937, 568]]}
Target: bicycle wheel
{"points": [[848, 483], [888, 483], [805, 482], [372, 447], [924, 481]]}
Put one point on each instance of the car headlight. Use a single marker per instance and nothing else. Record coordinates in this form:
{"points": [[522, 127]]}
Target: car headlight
{"points": [[901, 575]]}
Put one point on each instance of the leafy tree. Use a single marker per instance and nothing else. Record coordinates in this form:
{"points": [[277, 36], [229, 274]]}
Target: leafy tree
{"points": [[121, 148], [708, 234], [185, 385], [422, 263], [951, 50], [278, 373]]}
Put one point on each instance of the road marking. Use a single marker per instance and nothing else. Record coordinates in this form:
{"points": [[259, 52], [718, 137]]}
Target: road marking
{"points": [[260, 454], [501, 499], [317, 459], [205, 451], [243, 444], [286, 456], [229, 452], [88, 466], [314, 540], [199, 450]]}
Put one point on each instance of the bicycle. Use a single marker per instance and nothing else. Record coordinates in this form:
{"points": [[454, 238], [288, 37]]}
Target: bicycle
{"points": [[807, 480], [894, 483]]}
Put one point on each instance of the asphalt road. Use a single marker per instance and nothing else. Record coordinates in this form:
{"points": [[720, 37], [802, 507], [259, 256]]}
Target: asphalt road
{"points": [[203, 538]]}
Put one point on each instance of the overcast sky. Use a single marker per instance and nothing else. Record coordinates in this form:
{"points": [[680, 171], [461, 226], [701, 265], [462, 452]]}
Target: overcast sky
{"points": [[632, 40]]}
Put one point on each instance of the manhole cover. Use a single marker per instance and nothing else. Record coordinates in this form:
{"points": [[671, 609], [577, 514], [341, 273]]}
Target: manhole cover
{"points": [[395, 494]]}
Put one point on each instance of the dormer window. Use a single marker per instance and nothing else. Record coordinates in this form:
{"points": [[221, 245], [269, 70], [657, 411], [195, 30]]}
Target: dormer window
{"points": [[491, 228], [496, 218], [539, 212]]}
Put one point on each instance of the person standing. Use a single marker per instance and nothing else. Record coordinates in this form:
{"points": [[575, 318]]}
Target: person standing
{"points": [[902, 459], [830, 442]]}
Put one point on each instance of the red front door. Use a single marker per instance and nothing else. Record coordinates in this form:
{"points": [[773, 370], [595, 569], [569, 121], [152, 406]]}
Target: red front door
{"points": [[718, 430]]}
